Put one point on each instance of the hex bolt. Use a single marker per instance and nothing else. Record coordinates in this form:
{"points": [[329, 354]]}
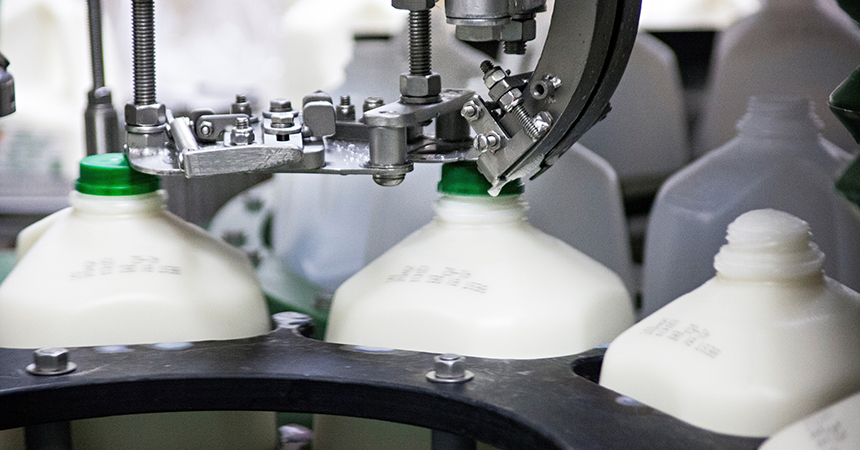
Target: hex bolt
{"points": [[471, 111], [280, 105], [242, 133], [372, 103], [449, 368], [51, 361]]}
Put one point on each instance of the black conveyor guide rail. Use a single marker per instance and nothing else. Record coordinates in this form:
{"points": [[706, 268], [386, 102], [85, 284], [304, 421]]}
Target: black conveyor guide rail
{"points": [[512, 404]]}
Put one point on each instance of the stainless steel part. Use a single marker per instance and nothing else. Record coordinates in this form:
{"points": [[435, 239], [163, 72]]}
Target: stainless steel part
{"points": [[509, 21], [449, 368], [51, 361], [529, 120], [101, 122]]}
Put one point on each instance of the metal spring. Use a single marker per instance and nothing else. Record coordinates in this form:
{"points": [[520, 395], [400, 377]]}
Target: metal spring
{"points": [[143, 26], [419, 42]]}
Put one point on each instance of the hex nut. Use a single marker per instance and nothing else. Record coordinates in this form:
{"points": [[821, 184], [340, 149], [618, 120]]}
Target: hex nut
{"points": [[420, 85], [241, 136], [471, 111], [494, 76], [449, 368], [519, 30], [478, 33], [145, 115], [511, 99], [146, 143], [51, 361], [283, 119], [413, 5]]}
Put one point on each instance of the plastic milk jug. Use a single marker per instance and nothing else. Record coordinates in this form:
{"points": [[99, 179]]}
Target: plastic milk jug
{"points": [[116, 268], [767, 341], [836, 427], [778, 160], [790, 47], [466, 283]]}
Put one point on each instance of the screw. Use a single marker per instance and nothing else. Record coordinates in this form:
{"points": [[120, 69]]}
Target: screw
{"points": [[206, 128], [301, 323], [515, 47], [471, 111], [449, 368], [419, 42], [486, 66], [51, 361], [241, 98], [280, 105], [527, 122], [345, 110], [242, 133], [242, 122], [487, 142], [372, 103]]}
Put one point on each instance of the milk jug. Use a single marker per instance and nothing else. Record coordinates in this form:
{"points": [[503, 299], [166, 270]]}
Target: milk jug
{"points": [[116, 268], [778, 160], [836, 427], [767, 341], [790, 47], [466, 283]]}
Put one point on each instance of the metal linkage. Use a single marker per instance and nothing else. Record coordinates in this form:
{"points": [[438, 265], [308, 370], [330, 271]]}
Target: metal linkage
{"points": [[100, 118], [545, 404]]}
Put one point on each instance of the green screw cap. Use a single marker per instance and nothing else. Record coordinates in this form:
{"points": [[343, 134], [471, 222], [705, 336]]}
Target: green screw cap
{"points": [[463, 178], [110, 174]]}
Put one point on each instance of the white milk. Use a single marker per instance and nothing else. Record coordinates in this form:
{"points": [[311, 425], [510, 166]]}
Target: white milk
{"points": [[119, 269], [767, 341], [478, 280]]}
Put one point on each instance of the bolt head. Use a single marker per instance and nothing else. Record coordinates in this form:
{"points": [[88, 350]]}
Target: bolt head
{"points": [[206, 128], [145, 115], [372, 103], [449, 368], [51, 361], [471, 111], [413, 5], [280, 105], [420, 85]]}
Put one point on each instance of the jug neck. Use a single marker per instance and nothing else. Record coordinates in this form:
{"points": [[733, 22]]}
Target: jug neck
{"points": [[480, 210], [780, 117], [769, 245], [122, 205]]}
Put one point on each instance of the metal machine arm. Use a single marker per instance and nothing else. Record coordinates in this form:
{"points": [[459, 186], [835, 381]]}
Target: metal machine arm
{"points": [[525, 124]]}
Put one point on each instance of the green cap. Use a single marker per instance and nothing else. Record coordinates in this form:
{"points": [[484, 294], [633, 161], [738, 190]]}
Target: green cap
{"points": [[463, 178], [110, 174]]}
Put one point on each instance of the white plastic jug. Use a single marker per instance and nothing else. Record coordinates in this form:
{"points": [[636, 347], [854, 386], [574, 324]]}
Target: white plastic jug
{"points": [[644, 137], [778, 160], [117, 269], [836, 427], [46, 42], [767, 341], [795, 47], [466, 283]]}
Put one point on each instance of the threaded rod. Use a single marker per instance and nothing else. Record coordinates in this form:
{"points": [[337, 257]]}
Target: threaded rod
{"points": [[419, 42], [143, 34], [526, 121]]}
